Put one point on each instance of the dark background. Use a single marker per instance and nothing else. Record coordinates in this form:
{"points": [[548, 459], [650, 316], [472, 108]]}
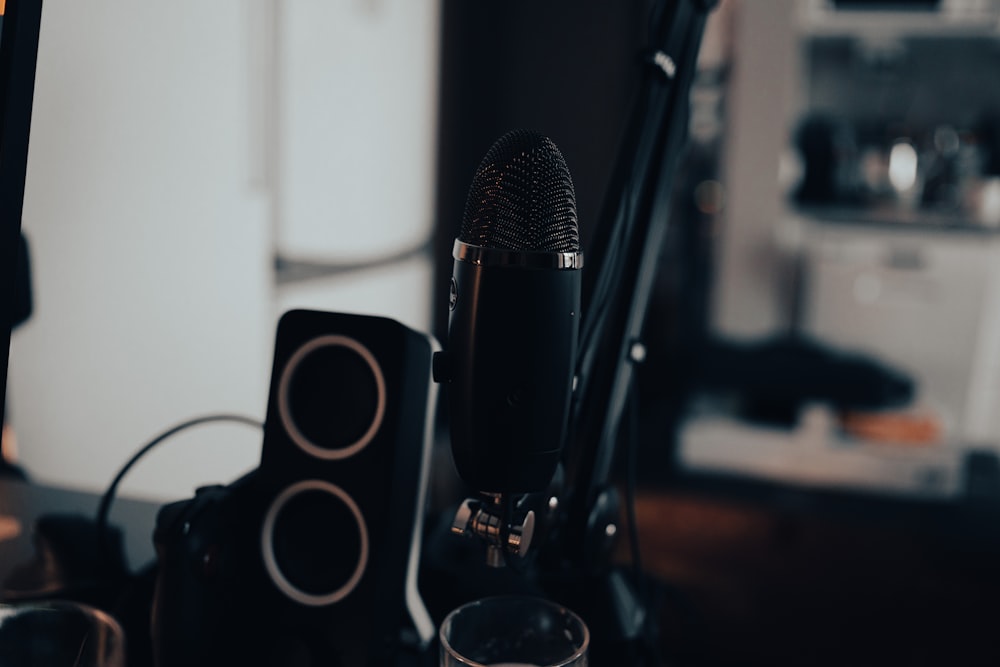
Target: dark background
{"points": [[566, 69]]}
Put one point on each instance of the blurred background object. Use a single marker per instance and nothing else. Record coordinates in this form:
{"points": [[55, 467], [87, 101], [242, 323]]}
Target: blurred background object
{"points": [[817, 415], [834, 230], [852, 173], [838, 202]]}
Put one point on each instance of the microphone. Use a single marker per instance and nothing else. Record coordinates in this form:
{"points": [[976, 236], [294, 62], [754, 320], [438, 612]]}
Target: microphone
{"points": [[515, 311]]}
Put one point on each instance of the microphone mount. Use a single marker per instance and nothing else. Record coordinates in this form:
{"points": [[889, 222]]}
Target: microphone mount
{"points": [[494, 518]]}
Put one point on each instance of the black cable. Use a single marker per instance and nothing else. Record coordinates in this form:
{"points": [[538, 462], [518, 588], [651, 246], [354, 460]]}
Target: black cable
{"points": [[609, 280], [622, 224], [649, 643], [104, 508], [631, 474], [656, 10], [592, 331]]}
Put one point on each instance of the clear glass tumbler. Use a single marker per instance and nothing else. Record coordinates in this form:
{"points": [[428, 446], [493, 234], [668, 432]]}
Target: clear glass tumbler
{"points": [[59, 634], [513, 631]]}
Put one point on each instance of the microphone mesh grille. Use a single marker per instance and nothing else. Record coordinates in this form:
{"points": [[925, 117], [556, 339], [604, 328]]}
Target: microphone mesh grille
{"points": [[522, 198]]}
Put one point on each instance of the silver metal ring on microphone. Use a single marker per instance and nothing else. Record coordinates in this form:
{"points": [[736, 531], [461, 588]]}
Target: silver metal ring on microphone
{"points": [[481, 256]]}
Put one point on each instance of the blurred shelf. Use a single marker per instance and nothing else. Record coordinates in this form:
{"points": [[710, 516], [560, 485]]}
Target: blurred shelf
{"points": [[890, 216], [815, 458], [950, 18]]}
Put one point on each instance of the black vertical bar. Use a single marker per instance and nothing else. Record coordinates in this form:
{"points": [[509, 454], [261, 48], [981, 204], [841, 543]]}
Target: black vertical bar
{"points": [[18, 57]]}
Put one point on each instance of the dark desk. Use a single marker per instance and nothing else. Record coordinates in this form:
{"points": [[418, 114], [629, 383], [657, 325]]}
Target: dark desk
{"points": [[862, 583], [748, 583], [24, 574], [22, 503]]}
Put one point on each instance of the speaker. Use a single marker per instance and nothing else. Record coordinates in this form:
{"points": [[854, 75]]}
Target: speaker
{"points": [[312, 558]]}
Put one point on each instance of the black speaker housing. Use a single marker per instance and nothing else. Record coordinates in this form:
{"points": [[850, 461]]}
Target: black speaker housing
{"points": [[311, 558]]}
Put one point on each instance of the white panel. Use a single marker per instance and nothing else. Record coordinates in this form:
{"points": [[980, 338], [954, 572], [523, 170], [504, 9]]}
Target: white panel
{"points": [[752, 282], [982, 419], [151, 255], [356, 127], [923, 316]]}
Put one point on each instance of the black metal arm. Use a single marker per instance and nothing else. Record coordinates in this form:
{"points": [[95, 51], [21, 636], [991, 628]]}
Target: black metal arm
{"points": [[626, 248]]}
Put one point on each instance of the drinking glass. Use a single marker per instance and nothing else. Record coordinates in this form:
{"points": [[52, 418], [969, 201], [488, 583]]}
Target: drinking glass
{"points": [[513, 631], [59, 634]]}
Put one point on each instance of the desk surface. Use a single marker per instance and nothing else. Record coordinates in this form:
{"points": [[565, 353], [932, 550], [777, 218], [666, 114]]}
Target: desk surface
{"points": [[758, 585], [22, 504], [750, 584]]}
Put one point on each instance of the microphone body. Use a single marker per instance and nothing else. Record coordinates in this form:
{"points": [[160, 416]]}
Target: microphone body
{"points": [[515, 308], [512, 338]]}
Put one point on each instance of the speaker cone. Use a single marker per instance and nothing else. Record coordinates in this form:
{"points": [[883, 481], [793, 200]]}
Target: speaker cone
{"points": [[315, 542], [331, 397]]}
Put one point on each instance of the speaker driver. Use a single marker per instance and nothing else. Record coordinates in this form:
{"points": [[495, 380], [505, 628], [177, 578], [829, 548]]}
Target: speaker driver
{"points": [[331, 397], [315, 543]]}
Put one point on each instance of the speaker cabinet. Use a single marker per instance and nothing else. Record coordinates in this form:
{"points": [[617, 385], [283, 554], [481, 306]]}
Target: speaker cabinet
{"points": [[345, 452], [312, 558]]}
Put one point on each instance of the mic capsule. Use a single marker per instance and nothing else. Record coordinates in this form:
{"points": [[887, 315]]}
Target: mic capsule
{"points": [[522, 198]]}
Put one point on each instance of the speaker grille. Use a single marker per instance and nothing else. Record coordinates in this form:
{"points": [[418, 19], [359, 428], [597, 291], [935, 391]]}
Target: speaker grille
{"points": [[315, 543], [522, 198], [331, 397]]}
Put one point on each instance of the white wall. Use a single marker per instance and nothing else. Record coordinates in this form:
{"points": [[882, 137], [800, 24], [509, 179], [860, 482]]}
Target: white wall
{"points": [[355, 150], [356, 127], [170, 146], [150, 248]]}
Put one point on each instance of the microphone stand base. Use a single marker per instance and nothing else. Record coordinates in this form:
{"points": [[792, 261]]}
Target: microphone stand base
{"points": [[623, 630]]}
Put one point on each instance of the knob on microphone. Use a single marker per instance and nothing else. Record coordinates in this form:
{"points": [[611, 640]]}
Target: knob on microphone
{"points": [[515, 308]]}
